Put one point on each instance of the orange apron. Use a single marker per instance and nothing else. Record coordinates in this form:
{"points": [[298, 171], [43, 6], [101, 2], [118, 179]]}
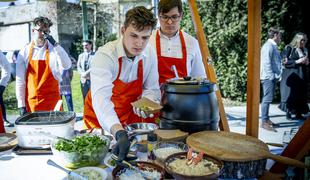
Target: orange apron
{"points": [[2, 129], [122, 95], [165, 63], [42, 92]]}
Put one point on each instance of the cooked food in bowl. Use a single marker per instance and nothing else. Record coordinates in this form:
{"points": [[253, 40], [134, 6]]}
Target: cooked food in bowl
{"points": [[91, 173], [201, 166], [151, 170], [164, 149], [85, 150]]}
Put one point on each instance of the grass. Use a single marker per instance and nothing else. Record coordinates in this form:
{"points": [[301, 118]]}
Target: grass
{"points": [[11, 102]]}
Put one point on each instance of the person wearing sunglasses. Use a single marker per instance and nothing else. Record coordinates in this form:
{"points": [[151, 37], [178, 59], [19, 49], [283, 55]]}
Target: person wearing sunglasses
{"points": [[174, 47], [83, 66], [39, 67], [293, 86]]}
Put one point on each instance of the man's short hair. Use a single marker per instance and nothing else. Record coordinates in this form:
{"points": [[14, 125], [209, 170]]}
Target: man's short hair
{"points": [[42, 21], [140, 17], [165, 6], [88, 42], [272, 32]]}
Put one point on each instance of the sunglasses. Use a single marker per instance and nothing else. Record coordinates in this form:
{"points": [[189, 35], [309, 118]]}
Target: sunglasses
{"points": [[42, 31]]}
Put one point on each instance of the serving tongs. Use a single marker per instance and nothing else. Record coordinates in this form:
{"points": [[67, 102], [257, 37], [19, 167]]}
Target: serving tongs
{"points": [[113, 156]]}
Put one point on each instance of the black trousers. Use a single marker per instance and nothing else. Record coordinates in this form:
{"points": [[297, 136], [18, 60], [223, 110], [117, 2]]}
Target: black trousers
{"points": [[85, 88], [2, 88]]}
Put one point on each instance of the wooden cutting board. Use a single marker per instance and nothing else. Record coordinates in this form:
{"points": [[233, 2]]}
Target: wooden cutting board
{"points": [[235, 147]]}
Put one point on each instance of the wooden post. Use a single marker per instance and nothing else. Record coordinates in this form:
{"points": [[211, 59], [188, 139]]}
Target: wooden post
{"points": [[207, 60], [253, 80]]}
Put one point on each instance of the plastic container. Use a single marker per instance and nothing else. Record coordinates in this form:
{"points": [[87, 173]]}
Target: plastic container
{"points": [[151, 142]]}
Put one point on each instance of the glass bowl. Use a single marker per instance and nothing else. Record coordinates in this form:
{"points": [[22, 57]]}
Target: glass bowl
{"points": [[164, 149], [85, 150]]}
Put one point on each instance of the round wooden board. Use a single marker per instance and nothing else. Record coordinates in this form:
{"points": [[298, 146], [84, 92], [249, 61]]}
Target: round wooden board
{"points": [[7, 141], [228, 146]]}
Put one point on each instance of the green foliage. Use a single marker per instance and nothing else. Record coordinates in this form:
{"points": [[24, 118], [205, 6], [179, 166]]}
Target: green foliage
{"points": [[9, 99], [225, 25]]}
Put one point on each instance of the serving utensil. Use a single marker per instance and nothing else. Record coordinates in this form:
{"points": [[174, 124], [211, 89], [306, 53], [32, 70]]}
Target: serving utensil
{"points": [[70, 173]]}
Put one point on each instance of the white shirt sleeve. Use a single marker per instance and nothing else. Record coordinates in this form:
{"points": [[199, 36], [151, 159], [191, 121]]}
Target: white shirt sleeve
{"points": [[62, 58], [150, 76], [103, 73], [79, 63], [5, 70], [21, 65], [196, 63]]}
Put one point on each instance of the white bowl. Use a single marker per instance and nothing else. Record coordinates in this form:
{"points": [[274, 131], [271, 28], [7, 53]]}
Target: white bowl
{"points": [[95, 170]]}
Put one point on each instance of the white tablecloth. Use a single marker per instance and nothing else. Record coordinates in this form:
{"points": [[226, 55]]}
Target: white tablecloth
{"points": [[31, 167]]}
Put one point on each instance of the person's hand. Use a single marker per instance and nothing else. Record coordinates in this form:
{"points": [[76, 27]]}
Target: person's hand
{"points": [[121, 148], [22, 111], [50, 39], [141, 113], [2, 88]]}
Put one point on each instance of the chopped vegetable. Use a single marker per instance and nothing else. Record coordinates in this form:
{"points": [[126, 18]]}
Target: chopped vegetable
{"points": [[81, 144]]}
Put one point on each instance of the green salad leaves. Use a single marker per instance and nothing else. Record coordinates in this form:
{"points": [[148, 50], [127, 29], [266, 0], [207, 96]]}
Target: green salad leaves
{"points": [[82, 144]]}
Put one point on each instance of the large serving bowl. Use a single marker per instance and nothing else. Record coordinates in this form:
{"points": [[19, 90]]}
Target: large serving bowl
{"points": [[164, 149], [84, 150], [182, 171], [131, 174]]}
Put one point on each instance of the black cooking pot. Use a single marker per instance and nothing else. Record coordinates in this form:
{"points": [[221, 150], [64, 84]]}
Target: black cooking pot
{"points": [[189, 105]]}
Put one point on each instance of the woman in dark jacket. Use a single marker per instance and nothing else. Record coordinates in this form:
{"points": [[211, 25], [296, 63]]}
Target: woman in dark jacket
{"points": [[293, 85]]}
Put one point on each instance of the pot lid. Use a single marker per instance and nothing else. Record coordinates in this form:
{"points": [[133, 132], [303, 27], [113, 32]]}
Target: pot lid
{"points": [[187, 80], [188, 84], [45, 118]]}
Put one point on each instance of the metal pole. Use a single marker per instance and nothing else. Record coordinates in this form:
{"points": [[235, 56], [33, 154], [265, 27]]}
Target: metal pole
{"points": [[155, 7], [95, 27], [84, 21]]}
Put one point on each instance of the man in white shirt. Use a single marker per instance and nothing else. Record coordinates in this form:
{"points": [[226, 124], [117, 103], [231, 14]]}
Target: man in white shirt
{"points": [[40, 65], [5, 77], [173, 46], [83, 66], [122, 72]]}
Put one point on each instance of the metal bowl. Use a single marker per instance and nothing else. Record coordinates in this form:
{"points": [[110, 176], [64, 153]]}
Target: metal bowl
{"points": [[141, 127]]}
